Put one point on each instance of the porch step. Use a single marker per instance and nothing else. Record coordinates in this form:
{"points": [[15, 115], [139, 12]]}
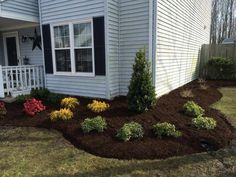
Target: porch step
{"points": [[8, 99]]}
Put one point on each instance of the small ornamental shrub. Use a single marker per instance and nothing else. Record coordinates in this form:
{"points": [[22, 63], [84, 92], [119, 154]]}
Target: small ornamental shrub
{"points": [[221, 68], [33, 106], [55, 98], [192, 109], [3, 110], [204, 123], [69, 103], [40, 93], [165, 129], [141, 96], [201, 81], [129, 131], [187, 93], [97, 124], [98, 106], [23, 98], [203, 86], [62, 114]]}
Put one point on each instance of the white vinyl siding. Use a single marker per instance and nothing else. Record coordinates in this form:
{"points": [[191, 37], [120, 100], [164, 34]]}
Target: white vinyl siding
{"points": [[182, 27], [113, 46], [134, 35], [22, 10], [64, 10], [35, 56], [58, 11], [74, 85]]}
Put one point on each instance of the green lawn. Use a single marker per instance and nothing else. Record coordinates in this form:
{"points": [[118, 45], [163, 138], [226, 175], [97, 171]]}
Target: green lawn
{"points": [[227, 104], [39, 152]]}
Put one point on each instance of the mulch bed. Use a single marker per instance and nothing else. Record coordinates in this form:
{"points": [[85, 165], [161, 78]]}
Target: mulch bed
{"points": [[168, 109]]}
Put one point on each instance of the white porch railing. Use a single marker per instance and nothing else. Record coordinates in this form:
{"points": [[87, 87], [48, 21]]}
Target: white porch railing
{"points": [[16, 80]]}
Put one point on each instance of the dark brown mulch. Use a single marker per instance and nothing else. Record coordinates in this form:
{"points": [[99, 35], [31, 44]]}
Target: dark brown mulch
{"points": [[168, 109]]}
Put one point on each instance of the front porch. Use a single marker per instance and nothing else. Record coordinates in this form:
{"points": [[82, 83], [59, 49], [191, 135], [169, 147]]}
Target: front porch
{"points": [[21, 59], [18, 80]]}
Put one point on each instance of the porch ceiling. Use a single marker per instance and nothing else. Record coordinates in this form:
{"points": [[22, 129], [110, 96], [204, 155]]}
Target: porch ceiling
{"points": [[7, 24]]}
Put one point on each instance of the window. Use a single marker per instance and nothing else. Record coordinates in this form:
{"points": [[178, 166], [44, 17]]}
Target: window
{"points": [[83, 47], [73, 48], [62, 48]]}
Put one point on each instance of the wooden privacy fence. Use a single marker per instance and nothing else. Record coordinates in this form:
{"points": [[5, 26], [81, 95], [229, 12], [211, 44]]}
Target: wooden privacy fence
{"points": [[215, 50]]}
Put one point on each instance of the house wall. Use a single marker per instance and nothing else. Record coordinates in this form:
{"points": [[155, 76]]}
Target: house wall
{"points": [[181, 28], [134, 35], [64, 10], [21, 10], [1, 51], [35, 56]]}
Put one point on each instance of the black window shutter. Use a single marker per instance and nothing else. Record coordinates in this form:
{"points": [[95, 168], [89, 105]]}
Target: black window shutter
{"points": [[99, 46], [47, 49]]}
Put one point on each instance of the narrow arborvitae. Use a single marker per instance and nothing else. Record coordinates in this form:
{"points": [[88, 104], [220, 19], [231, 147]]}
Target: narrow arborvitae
{"points": [[141, 95]]}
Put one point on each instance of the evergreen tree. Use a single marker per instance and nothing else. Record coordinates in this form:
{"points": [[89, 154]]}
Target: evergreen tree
{"points": [[141, 95]]}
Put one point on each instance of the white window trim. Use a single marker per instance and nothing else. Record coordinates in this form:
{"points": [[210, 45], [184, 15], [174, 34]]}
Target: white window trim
{"points": [[72, 49]]}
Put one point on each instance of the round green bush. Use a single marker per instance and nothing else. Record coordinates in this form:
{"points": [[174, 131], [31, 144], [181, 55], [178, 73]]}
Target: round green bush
{"points": [[166, 129], [192, 109], [97, 124], [204, 123], [132, 130]]}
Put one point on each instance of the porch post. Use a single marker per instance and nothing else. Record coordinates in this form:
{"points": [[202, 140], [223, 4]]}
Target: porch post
{"points": [[2, 95]]}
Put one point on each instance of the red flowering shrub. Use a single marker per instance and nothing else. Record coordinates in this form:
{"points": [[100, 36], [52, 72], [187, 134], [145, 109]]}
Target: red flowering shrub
{"points": [[33, 106], [3, 110]]}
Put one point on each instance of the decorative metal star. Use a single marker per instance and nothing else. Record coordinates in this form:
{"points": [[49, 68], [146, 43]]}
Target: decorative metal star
{"points": [[36, 40]]}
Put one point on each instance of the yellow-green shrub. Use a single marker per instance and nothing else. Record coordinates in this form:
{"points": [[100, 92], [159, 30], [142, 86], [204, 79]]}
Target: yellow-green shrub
{"points": [[204, 123], [69, 102], [98, 106], [62, 114]]}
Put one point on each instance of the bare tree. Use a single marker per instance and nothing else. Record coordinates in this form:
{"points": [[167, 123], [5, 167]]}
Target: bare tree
{"points": [[223, 20]]}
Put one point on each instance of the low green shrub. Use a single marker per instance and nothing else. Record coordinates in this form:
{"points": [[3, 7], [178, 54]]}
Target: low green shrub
{"points": [[97, 124], [55, 98], [165, 129], [23, 98], [204, 123], [41, 93], [221, 68], [192, 109], [132, 130]]}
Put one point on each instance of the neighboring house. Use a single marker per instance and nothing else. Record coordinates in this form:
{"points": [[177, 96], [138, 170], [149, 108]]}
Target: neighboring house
{"points": [[89, 46], [231, 40]]}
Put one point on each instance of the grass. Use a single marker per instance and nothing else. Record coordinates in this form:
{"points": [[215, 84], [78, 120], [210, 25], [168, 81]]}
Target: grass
{"points": [[39, 152], [227, 104]]}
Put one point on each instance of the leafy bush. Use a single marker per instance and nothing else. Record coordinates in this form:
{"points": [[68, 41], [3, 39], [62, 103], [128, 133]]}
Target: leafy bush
{"points": [[33, 106], [55, 97], [95, 124], [3, 110], [62, 114], [187, 93], [41, 93], [98, 106], [129, 131], [203, 86], [204, 123], [69, 103], [192, 109], [23, 98], [141, 95], [221, 68], [165, 129]]}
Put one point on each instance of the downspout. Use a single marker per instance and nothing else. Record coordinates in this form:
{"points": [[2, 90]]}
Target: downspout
{"points": [[108, 93], [152, 39], [41, 31]]}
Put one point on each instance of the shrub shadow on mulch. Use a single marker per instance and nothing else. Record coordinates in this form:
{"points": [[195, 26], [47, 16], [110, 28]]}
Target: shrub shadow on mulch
{"points": [[168, 109]]}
